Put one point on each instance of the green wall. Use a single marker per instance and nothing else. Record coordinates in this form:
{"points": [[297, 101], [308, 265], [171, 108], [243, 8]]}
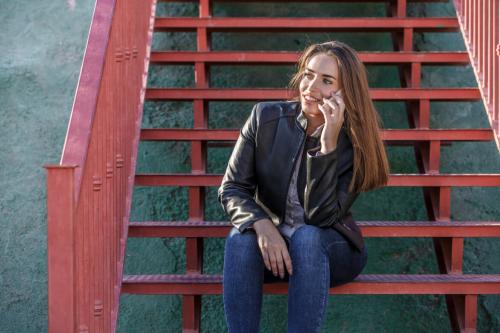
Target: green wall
{"points": [[44, 43]]}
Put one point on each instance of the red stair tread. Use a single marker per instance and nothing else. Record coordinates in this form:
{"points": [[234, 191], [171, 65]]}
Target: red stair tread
{"points": [[400, 135], [368, 228], [411, 180], [196, 284], [250, 94], [272, 1], [428, 24], [378, 278], [283, 57]]}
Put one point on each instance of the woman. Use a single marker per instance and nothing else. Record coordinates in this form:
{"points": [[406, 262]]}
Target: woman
{"points": [[295, 171]]}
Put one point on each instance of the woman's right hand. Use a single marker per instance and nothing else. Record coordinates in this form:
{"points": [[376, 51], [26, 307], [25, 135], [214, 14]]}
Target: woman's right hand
{"points": [[273, 247]]}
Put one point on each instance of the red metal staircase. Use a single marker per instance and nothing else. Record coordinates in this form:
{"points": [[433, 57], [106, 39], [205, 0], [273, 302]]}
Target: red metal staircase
{"points": [[92, 186]]}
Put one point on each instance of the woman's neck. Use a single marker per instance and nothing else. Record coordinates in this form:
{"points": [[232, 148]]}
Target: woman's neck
{"points": [[312, 126]]}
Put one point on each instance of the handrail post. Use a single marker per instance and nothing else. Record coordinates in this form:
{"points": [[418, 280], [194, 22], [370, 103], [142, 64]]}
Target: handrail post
{"points": [[61, 249]]}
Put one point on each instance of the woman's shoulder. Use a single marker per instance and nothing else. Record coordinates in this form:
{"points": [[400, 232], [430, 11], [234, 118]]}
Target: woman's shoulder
{"points": [[272, 110]]}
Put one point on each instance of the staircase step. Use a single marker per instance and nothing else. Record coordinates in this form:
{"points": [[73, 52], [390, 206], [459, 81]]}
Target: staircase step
{"points": [[272, 1], [284, 57], [412, 180], [394, 135], [390, 284], [286, 24], [368, 228], [251, 94]]}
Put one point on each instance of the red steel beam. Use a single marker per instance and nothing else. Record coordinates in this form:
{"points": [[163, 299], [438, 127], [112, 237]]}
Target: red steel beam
{"points": [[285, 57], [61, 249], [227, 24], [413, 180], [369, 229], [390, 284], [399, 135], [392, 94]]}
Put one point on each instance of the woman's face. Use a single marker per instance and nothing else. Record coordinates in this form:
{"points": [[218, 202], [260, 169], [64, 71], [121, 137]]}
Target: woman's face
{"points": [[319, 80]]}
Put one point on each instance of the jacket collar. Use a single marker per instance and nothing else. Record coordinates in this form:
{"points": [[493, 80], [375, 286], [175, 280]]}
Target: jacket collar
{"points": [[302, 120]]}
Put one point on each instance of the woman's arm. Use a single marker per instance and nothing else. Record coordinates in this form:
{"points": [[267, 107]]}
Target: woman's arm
{"points": [[237, 190], [236, 194], [328, 176]]}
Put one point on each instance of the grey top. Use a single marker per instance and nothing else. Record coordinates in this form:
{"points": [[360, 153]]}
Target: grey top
{"points": [[294, 214]]}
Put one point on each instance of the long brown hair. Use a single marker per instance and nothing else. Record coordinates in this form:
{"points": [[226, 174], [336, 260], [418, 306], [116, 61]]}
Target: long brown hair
{"points": [[371, 166]]}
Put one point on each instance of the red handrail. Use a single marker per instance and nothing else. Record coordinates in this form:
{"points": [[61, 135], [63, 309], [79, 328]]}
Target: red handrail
{"points": [[89, 192], [479, 23]]}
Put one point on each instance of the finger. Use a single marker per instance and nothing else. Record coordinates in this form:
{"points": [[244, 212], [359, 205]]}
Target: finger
{"points": [[328, 113], [288, 261], [274, 264], [339, 101], [337, 108], [330, 103], [267, 261], [322, 109], [265, 255], [281, 267]]}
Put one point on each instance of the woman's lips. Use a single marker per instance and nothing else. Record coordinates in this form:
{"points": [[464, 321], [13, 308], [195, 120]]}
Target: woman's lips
{"points": [[310, 98], [311, 101]]}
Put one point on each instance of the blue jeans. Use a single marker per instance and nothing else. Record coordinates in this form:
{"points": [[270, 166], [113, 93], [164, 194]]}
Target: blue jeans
{"points": [[321, 258]]}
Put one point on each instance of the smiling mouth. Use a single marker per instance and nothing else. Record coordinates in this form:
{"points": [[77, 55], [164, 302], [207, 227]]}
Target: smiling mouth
{"points": [[310, 99]]}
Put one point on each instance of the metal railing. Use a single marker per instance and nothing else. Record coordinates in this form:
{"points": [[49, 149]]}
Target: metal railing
{"points": [[89, 192], [479, 23]]}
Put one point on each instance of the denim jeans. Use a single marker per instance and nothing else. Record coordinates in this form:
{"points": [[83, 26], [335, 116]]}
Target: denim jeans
{"points": [[321, 258]]}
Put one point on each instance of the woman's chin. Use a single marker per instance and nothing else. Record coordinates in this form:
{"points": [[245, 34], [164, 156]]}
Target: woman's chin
{"points": [[311, 109]]}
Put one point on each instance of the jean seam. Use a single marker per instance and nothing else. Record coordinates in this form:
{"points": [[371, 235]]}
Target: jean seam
{"points": [[325, 295]]}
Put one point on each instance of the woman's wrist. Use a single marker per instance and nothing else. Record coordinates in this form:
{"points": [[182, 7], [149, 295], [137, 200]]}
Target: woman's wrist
{"points": [[259, 224], [326, 150]]}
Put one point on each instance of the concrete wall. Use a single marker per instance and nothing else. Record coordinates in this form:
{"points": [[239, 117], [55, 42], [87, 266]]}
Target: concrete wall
{"points": [[44, 43]]}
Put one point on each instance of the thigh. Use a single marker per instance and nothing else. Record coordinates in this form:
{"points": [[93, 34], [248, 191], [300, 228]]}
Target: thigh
{"points": [[346, 261], [242, 248]]}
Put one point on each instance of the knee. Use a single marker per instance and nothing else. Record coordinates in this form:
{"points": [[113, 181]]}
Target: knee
{"points": [[241, 244], [306, 240]]}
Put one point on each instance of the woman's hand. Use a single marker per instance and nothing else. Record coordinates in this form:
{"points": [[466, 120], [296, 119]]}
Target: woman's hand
{"points": [[333, 111], [273, 247]]}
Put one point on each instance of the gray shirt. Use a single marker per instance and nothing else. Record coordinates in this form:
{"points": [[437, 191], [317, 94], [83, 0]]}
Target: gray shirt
{"points": [[294, 214]]}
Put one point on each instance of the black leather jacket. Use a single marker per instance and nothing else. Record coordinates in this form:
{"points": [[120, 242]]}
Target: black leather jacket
{"points": [[255, 184]]}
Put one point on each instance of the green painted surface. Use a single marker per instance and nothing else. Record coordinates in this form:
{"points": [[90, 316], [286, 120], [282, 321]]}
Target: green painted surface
{"points": [[43, 45]]}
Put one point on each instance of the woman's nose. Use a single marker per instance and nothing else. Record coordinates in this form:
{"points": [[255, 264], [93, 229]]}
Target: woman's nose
{"points": [[313, 85]]}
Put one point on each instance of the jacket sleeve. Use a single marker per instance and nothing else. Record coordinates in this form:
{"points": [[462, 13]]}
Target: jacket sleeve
{"points": [[237, 190], [326, 198]]}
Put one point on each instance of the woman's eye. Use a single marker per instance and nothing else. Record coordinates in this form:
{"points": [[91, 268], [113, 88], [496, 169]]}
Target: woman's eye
{"points": [[327, 81]]}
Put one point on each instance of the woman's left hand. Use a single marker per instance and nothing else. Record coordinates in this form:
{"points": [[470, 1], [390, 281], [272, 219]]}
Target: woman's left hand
{"points": [[333, 110]]}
